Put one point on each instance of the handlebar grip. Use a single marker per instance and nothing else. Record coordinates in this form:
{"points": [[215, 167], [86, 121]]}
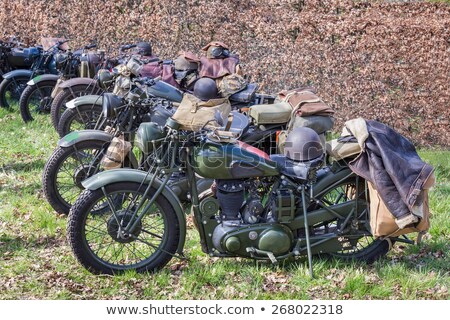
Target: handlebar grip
{"points": [[90, 46], [127, 47]]}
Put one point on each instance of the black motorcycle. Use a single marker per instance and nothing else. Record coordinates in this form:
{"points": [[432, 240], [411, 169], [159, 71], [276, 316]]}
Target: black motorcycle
{"points": [[40, 91], [12, 57], [15, 82]]}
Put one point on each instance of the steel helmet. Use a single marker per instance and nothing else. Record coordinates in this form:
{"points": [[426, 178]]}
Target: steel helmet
{"points": [[303, 144], [205, 89], [144, 49]]}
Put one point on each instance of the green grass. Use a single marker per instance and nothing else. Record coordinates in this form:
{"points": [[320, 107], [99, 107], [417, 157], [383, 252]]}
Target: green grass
{"points": [[36, 262]]}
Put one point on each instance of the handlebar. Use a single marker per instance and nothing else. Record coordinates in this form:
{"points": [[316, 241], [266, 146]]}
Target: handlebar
{"points": [[127, 47], [90, 46], [145, 81]]}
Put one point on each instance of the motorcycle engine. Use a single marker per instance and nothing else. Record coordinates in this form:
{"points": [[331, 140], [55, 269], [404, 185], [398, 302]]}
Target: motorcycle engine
{"points": [[246, 224]]}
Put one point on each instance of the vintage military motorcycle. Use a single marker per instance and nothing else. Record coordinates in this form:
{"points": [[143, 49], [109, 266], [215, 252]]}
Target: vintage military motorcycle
{"points": [[79, 153], [88, 84], [261, 207]]}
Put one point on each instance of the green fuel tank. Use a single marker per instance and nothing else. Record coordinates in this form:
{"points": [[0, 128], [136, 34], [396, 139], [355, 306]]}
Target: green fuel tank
{"points": [[231, 161]]}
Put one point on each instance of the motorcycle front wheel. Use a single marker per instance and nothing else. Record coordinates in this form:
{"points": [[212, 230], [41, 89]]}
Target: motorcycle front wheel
{"points": [[67, 168], [59, 103], [11, 90], [99, 241], [357, 243], [36, 99], [83, 117]]}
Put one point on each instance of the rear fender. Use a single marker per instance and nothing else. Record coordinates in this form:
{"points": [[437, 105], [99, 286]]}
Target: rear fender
{"points": [[43, 77], [129, 175]]}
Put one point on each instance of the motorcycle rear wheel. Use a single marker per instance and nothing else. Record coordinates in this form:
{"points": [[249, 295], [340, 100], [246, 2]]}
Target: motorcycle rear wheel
{"points": [[36, 99], [84, 117], [365, 248], [101, 246]]}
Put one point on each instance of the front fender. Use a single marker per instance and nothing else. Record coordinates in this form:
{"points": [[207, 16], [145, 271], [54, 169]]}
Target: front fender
{"points": [[77, 81], [83, 135], [89, 99], [43, 77], [129, 175], [18, 73]]}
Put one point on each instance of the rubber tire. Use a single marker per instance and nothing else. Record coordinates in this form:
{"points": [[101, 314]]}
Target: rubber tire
{"points": [[58, 105], [377, 249], [52, 168], [70, 115], [4, 86], [85, 256], [24, 105]]}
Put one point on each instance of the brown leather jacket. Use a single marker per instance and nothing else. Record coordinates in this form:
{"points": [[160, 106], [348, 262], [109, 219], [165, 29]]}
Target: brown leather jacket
{"points": [[391, 163]]}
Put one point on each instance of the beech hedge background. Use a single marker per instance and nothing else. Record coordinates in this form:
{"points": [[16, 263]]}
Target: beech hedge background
{"points": [[381, 60]]}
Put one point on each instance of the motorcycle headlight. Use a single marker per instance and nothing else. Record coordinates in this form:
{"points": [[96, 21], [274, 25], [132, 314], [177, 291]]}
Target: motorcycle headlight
{"points": [[147, 135], [105, 78], [110, 105]]}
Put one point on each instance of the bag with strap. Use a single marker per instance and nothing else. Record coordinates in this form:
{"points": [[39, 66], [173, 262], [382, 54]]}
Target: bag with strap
{"points": [[115, 155], [383, 222], [193, 113], [308, 110]]}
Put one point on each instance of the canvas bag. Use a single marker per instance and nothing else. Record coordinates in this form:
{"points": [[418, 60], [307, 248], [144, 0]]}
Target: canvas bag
{"points": [[115, 155], [308, 110], [382, 221], [193, 113]]}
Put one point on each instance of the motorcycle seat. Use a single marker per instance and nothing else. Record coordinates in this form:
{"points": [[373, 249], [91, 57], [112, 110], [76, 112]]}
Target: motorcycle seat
{"points": [[239, 123], [296, 169]]}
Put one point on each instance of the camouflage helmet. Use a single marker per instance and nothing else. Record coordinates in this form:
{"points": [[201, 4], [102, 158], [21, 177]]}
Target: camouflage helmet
{"points": [[205, 89], [216, 50], [303, 144]]}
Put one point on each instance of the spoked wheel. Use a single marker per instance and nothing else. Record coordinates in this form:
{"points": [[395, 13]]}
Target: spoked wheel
{"points": [[67, 168], [59, 103], [36, 99], [355, 238], [105, 243], [83, 117], [11, 90]]}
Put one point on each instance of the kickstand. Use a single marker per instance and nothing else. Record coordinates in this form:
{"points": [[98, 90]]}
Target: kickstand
{"points": [[308, 244]]}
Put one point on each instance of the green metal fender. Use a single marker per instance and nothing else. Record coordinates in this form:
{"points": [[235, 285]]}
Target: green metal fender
{"points": [[89, 99], [43, 77], [83, 135], [129, 175]]}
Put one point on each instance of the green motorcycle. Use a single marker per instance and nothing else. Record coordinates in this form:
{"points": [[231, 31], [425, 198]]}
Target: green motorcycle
{"points": [[261, 207]]}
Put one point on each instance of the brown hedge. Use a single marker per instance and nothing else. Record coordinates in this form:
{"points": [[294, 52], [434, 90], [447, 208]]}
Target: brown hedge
{"points": [[380, 60]]}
